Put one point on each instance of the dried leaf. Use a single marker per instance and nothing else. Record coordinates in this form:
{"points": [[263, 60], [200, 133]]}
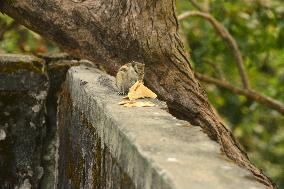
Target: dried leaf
{"points": [[138, 104], [138, 90], [125, 102]]}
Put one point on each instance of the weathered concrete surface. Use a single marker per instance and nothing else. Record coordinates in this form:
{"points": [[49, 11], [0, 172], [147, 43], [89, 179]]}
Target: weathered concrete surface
{"points": [[57, 66], [23, 90], [104, 145]]}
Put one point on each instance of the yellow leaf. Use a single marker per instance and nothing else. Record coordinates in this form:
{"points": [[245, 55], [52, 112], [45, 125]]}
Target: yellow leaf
{"points": [[138, 104], [138, 90], [126, 102]]}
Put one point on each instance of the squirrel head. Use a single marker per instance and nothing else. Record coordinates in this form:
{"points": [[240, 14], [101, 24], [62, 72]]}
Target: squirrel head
{"points": [[138, 67]]}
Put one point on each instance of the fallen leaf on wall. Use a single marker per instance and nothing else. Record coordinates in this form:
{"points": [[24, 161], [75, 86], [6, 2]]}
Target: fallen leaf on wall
{"points": [[131, 103], [138, 90]]}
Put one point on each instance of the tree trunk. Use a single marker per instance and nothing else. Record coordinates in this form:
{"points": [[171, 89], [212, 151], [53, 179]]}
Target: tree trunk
{"points": [[113, 32]]}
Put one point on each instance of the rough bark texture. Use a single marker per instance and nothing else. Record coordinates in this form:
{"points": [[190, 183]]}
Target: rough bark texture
{"points": [[112, 32]]}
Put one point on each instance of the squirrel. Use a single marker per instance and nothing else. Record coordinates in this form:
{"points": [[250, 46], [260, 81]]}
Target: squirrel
{"points": [[127, 75]]}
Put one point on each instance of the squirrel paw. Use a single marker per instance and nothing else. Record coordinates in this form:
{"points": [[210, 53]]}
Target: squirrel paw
{"points": [[121, 93]]}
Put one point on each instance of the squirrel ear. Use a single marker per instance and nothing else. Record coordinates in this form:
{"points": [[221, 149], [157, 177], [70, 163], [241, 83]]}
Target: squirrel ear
{"points": [[123, 68]]}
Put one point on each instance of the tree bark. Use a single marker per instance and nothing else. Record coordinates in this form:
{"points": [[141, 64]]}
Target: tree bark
{"points": [[113, 32]]}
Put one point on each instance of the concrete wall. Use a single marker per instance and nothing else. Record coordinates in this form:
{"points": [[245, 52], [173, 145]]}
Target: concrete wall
{"points": [[23, 90], [105, 145], [87, 140], [28, 95]]}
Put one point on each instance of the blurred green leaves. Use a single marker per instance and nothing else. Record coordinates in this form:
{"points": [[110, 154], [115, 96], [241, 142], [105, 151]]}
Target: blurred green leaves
{"points": [[18, 39], [258, 27]]}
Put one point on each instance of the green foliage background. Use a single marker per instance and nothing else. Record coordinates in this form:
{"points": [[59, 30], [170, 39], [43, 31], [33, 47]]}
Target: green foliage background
{"points": [[21, 40], [258, 27]]}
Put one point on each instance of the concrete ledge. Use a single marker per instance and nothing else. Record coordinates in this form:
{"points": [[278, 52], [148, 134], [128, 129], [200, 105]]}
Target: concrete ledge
{"points": [[21, 73], [23, 90], [104, 145]]}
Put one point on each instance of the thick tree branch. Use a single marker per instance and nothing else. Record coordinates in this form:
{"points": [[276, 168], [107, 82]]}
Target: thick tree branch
{"points": [[252, 95], [222, 31]]}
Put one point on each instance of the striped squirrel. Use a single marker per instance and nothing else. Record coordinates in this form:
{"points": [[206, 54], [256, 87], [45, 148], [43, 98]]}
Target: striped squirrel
{"points": [[127, 75]]}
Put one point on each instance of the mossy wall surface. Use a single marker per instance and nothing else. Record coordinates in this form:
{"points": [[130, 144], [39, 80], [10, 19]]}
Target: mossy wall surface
{"points": [[84, 162], [28, 131], [23, 90]]}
